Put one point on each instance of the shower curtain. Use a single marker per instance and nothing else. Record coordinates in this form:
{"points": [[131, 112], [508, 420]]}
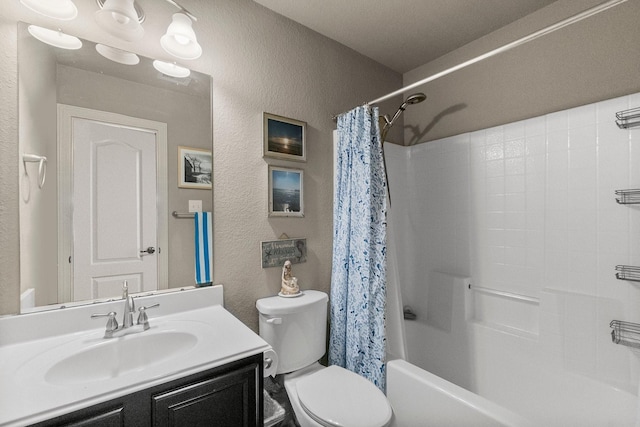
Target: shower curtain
{"points": [[358, 278]]}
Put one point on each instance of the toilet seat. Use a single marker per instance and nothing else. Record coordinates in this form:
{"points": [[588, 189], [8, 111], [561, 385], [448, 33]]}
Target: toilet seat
{"points": [[336, 397]]}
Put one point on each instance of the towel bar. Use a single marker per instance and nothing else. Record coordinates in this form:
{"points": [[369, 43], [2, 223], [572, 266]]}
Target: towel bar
{"points": [[505, 294], [182, 214]]}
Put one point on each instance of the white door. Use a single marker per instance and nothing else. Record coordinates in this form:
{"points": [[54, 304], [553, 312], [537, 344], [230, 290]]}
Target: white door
{"points": [[112, 203], [114, 209]]}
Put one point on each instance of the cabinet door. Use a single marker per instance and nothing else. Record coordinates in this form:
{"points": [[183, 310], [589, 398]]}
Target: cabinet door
{"points": [[92, 418], [231, 399]]}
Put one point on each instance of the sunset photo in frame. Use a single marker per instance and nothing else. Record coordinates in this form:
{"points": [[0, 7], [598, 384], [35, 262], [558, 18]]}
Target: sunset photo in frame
{"points": [[284, 138], [286, 192], [195, 166]]}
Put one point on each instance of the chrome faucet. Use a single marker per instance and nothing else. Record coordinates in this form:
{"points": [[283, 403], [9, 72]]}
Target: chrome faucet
{"points": [[113, 329], [129, 306]]}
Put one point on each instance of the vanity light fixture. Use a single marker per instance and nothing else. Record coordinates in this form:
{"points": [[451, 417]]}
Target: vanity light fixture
{"points": [[180, 39], [171, 69], [55, 38], [121, 19], [64, 10], [117, 55]]}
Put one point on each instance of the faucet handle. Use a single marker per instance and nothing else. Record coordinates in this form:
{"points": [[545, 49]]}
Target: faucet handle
{"points": [[143, 319], [112, 323]]}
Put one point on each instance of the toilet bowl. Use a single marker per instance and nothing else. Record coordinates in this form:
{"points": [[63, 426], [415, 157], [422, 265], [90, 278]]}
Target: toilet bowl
{"points": [[334, 396], [320, 396]]}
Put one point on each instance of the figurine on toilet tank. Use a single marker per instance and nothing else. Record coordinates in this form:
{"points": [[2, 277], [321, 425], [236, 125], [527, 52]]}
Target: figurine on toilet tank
{"points": [[289, 287]]}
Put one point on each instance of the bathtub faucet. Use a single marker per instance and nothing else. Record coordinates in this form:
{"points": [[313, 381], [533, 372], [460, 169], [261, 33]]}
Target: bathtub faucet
{"points": [[408, 313]]}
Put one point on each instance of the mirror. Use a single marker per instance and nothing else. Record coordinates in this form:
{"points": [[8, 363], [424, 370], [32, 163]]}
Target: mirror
{"points": [[122, 193]]}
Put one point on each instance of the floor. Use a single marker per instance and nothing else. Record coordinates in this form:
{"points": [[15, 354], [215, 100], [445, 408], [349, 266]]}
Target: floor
{"points": [[275, 388]]}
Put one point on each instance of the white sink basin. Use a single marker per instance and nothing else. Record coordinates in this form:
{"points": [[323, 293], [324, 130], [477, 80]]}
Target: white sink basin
{"points": [[118, 356], [89, 359]]}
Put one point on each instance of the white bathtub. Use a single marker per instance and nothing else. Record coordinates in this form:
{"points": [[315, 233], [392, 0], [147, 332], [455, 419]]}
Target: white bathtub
{"points": [[420, 398], [523, 370]]}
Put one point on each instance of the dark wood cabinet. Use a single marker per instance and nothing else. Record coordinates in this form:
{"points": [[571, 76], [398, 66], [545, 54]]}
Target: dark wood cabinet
{"points": [[227, 396], [111, 418], [224, 400]]}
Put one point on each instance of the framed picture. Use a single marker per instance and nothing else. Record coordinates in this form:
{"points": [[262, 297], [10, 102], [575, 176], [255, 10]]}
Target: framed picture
{"points": [[276, 252], [286, 192], [194, 168], [284, 138]]}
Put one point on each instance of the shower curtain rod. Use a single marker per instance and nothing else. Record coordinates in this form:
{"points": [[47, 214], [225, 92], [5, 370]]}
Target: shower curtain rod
{"points": [[547, 30]]}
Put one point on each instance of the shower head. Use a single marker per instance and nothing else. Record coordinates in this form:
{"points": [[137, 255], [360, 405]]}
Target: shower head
{"points": [[415, 98], [411, 99]]}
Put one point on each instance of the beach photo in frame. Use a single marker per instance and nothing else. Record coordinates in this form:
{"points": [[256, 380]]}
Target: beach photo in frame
{"points": [[195, 166], [286, 187], [284, 138]]}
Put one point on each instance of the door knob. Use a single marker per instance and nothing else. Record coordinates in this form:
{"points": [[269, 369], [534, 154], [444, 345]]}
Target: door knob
{"points": [[150, 250]]}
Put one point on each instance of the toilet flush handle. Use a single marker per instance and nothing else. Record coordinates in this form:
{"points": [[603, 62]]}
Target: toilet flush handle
{"points": [[275, 320]]}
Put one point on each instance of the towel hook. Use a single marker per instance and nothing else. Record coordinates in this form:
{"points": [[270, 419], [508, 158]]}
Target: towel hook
{"points": [[42, 166]]}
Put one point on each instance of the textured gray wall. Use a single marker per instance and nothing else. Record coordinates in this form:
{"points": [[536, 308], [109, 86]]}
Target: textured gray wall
{"points": [[592, 60], [9, 235]]}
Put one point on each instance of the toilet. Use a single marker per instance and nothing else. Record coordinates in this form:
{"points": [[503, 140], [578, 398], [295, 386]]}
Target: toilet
{"points": [[331, 396]]}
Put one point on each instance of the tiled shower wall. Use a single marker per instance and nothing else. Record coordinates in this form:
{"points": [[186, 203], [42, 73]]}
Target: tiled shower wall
{"points": [[529, 208]]}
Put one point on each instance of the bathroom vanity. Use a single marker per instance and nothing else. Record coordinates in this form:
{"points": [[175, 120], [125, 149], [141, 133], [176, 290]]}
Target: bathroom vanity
{"points": [[224, 396], [195, 365]]}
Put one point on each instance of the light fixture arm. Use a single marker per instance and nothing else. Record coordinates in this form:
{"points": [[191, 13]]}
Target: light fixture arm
{"points": [[183, 10]]}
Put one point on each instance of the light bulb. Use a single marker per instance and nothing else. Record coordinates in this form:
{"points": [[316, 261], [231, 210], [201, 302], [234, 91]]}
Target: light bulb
{"points": [[58, 9], [55, 38], [171, 69], [180, 39], [120, 19], [117, 55]]}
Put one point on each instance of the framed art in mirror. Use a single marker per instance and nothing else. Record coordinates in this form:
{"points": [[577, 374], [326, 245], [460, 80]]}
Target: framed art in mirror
{"points": [[286, 196], [195, 166], [284, 138]]}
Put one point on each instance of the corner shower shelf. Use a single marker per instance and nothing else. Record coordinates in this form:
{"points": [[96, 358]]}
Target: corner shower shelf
{"points": [[628, 197], [628, 272], [628, 118], [625, 333]]}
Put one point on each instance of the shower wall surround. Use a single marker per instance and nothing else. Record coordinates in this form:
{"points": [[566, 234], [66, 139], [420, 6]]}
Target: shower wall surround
{"points": [[527, 208]]}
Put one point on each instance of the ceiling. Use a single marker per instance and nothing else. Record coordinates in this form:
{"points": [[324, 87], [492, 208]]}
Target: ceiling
{"points": [[404, 34]]}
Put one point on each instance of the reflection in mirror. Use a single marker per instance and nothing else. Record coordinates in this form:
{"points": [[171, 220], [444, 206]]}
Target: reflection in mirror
{"points": [[110, 132]]}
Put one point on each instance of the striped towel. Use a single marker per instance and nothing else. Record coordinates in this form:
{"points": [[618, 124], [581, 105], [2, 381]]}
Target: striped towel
{"points": [[204, 247]]}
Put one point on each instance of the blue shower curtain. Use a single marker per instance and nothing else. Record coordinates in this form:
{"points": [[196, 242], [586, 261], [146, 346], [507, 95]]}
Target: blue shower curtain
{"points": [[358, 294]]}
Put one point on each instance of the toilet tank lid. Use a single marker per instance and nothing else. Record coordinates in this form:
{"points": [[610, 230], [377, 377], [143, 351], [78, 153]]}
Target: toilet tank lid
{"points": [[281, 305]]}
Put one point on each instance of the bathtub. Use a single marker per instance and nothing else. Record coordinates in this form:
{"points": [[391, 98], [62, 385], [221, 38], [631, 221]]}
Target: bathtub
{"points": [[420, 398], [521, 369]]}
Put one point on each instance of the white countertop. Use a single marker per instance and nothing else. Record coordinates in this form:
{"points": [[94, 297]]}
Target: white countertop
{"points": [[25, 396]]}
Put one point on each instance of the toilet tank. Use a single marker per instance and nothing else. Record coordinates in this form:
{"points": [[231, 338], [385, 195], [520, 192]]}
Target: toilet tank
{"points": [[295, 327]]}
